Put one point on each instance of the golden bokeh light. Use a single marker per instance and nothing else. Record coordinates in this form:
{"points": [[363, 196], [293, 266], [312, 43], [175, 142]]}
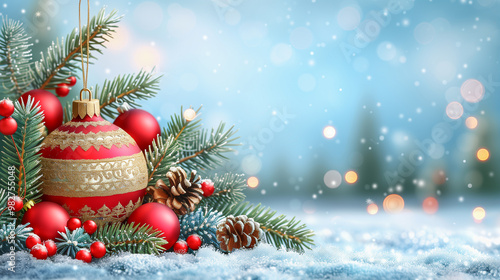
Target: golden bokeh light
{"points": [[329, 132], [430, 205], [189, 114], [471, 122], [372, 209], [483, 154], [478, 213], [253, 182], [351, 177], [393, 203]]}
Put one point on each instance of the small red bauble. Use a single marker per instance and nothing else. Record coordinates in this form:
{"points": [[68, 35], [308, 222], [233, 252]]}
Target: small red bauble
{"points": [[6, 108], [49, 104], [8, 126], [33, 240], [71, 80], [84, 255], [181, 247], [39, 251], [98, 249], [90, 227], [46, 218], [207, 187], [194, 241], [74, 223], [51, 247], [139, 124], [159, 217], [62, 90], [15, 203]]}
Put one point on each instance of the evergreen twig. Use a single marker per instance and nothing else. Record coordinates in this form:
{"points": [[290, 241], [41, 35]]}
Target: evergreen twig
{"points": [[228, 191], [21, 232], [202, 222], [181, 128], [160, 157], [71, 242]]}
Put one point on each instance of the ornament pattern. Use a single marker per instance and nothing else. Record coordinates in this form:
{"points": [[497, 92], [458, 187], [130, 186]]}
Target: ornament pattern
{"points": [[85, 124], [64, 139], [105, 215]]}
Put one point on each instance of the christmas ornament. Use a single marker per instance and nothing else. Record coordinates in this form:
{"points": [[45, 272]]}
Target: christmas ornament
{"points": [[71, 81], [207, 187], [15, 203], [238, 232], [181, 247], [51, 247], [194, 241], [98, 249], [6, 108], [84, 255], [32, 240], [182, 195], [140, 124], [39, 251], [90, 227], [62, 90], [92, 167], [8, 126], [49, 105], [46, 218], [74, 223], [159, 217]]}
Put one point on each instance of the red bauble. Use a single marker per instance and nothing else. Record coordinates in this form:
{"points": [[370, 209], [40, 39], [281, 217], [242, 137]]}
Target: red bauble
{"points": [[71, 81], [49, 104], [181, 247], [33, 240], [74, 223], [6, 108], [90, 227], [98, 249], [15, 203], [39, 251], [141, 125], [62, 90], [51, 247], [8, 126], [46, 218], [84, 255], [159, 217], [207, 187], [194, 241]]}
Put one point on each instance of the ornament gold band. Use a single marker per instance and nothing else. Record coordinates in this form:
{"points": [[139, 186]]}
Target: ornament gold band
{"points": [[87, 178], [63, 139], [85, 124]]}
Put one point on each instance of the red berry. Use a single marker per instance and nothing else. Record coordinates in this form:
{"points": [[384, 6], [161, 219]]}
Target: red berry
{"points": [[84, 255], [181, 247], [8, 126], [208, 188], [74, 223], [194, 241], [90, 227], [71, 80], [62, 90], [6, 108], [51, 247], [98, 249], [39, 251], [15, 203], [33, 240]]}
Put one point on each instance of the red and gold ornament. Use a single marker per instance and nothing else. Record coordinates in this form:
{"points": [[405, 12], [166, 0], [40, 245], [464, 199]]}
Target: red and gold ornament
{"points": [[93, 168], [84, 255], [49, 105], [46, 218]]}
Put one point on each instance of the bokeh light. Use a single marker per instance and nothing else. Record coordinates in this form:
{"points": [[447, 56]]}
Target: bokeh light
{"points": [[332, 179], [472, 90], [372, 209], [483, 154], [253, 182], [148, 58], [439, 177], [189, 114], [454, 110], [393, 203], [430, 205], [329, 132], [351, 177], [471, 122], [478, 214]]}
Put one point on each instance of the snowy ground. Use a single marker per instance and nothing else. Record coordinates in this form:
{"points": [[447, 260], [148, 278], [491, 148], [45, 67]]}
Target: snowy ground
{"points": [[352, 245]]}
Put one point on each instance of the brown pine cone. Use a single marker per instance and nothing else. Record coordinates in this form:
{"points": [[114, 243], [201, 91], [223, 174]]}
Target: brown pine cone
{"points": [[238, 232], [182, 195]]}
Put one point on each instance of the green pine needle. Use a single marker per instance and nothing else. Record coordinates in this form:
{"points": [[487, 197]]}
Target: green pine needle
{"points": [[202, 222], [160, 157], [182, 129], [71, 242], [229, 190], [18, 239]]}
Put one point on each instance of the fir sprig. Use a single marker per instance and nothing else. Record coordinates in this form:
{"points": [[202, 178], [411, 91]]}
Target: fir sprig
{"points": [[278, 231], [71, 242], [21, 232], [182, 129], [160, 157], [202, 222], [229, 189], [137, 239], [15, 56]]}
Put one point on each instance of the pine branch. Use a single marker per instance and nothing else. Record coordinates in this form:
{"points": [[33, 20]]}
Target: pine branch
{"points": [[181, 128], [127, 88], [228, 191], [28, 139], [63, 58], [18, 240], [15, 56], [278, 231], [202, 222], [160, 157], [68, 112], [71, 242], [205, 150], [120, 237]]}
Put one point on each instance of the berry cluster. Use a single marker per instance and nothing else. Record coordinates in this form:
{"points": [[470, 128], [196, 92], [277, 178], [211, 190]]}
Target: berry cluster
{"points": [[193, 242], [63, 89], [8, 125]]}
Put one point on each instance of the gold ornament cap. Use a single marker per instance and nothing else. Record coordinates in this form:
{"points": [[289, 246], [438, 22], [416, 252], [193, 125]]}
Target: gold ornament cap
{"points": [[86, 107]]}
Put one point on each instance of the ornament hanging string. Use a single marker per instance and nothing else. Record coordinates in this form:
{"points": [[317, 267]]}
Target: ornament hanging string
{"points": [[85, 70]]}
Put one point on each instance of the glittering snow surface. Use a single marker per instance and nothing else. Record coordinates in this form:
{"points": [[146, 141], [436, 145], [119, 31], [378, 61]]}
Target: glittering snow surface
{"points": [[350, 245]]}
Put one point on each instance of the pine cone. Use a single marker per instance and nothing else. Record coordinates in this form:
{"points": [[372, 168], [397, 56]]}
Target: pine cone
{"points": [[182, 195], [238, 232]]}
